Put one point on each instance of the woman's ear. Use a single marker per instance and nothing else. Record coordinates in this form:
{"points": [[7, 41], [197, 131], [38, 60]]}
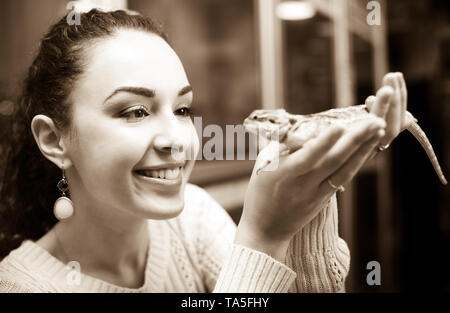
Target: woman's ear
{"points": [[49, 140]]}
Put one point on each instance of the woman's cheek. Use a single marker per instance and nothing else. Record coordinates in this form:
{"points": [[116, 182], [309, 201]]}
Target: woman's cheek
{"points": [[109, 154]]}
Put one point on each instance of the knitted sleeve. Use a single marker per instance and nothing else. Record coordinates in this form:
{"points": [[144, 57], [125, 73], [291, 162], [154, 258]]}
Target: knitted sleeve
{"points": [[317, 260], [319, 256]]}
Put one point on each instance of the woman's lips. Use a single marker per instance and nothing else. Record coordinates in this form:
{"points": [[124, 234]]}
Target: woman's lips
{"points": [[163, 173], [162, 176]]}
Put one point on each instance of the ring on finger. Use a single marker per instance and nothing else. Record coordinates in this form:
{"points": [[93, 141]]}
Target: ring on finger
{"points": [[381, 148], [339, 188]]}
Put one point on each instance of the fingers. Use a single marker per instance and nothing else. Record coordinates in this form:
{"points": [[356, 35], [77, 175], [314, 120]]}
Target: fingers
{"points": [[394, 116], [370, 102], [347, 146], [304, 160], [381, 104], [403, 97], [351, 167]]}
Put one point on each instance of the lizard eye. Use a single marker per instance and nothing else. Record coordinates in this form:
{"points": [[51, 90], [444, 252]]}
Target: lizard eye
{"points": [[292, 121], [255, 117], [272, 120]]}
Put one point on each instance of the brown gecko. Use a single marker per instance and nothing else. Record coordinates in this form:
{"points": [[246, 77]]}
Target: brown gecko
{"points": [[294, 130]]}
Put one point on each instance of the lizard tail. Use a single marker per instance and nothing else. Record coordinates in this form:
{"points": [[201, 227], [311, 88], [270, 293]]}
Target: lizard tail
{"points": [[419, 134]]}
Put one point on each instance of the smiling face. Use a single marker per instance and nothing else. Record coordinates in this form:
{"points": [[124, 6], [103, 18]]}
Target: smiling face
{"points": [[132, 139]]}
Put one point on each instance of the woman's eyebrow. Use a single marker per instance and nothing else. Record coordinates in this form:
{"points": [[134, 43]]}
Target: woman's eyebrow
{"points": [[140, 91], [184, 91], [149, 93]]}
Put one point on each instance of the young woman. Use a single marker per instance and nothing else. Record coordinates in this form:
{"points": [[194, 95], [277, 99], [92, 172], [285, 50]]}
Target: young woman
{"points": [[105, 118]]}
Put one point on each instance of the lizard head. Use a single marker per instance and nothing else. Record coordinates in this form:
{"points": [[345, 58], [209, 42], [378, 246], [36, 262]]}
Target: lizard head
{"points": [[267, 121]]}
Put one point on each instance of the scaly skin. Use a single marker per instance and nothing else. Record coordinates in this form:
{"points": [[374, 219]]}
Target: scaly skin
{"points": [[295, 130]]}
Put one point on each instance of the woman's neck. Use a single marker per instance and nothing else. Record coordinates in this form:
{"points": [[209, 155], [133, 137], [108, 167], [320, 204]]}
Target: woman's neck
{"points": [[107, 247]]}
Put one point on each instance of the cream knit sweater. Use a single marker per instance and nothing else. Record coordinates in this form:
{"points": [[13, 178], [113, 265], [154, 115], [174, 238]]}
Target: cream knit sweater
{"points": [[194, 252]]}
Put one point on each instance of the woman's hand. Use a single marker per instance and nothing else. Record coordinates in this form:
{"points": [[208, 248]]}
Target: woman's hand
{"points": [[278, 203], [394, 110]]}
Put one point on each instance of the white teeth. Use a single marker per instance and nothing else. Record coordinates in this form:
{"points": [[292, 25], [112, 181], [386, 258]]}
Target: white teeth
{"points": [[163, 174], [169, 174], [173, 174]]}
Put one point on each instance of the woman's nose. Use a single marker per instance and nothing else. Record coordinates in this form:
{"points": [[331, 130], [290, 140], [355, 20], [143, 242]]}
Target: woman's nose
{"points": [[168, 144]]}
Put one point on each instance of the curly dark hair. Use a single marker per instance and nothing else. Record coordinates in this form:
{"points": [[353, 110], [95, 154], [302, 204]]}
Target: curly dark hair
{"points": [[29, 191]]}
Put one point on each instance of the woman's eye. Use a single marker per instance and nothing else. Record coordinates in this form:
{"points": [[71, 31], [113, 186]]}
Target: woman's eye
{"points": [[135, 114], [184, 112]]}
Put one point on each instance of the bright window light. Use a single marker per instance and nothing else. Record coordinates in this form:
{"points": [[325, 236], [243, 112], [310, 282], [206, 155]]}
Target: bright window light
{"points": [[295, 10]]}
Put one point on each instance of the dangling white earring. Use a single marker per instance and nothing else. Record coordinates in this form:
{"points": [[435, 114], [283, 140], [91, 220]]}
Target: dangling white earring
{"points": [[63, 208]]}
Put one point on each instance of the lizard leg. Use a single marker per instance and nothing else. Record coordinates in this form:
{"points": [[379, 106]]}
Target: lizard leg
{"points": [[263, 166], [283, 151]]}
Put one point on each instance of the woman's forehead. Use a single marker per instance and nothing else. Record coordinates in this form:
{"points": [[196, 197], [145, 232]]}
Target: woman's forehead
{"points": [[134, 57]]}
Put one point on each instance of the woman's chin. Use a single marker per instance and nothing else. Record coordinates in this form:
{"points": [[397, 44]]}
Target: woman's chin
{"points": [[162, 208]]}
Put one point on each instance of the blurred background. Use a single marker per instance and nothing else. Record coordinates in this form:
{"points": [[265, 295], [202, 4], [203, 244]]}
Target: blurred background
{"points": [[305, 56]]}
